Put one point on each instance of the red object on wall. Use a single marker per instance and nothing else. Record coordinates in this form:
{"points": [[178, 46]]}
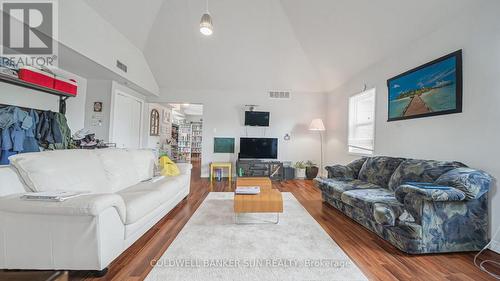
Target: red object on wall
{"points": [[36, 76], [68, 86]]}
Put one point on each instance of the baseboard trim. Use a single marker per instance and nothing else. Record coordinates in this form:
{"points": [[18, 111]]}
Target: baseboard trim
{"points": [[495, 246]]}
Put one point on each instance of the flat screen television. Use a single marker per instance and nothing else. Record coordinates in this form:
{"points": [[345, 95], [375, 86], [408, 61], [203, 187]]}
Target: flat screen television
{"points": [[257, 118], [258, 148]]}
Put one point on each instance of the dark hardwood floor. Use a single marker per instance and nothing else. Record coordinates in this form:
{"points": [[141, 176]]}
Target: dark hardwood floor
{"points": [[376, 258]]}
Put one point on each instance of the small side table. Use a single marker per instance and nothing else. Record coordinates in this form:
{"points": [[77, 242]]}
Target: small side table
{"points": [[221, 165], [269, 200]]}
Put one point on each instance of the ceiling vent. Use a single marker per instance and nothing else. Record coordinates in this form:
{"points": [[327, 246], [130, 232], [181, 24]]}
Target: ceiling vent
{"points": [[283, 95], [121, 66]]}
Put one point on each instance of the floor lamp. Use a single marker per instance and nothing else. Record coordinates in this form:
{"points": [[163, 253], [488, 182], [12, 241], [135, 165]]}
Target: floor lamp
{"points": [[317, 125]]}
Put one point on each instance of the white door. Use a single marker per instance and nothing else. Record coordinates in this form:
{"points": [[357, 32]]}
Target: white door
{"points": [[126, 123]]}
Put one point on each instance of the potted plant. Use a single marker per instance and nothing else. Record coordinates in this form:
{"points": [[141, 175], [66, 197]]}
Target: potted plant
{"points": [[311, 170], [300, 170]]}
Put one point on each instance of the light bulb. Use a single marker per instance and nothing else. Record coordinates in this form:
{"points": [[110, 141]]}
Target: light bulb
{"points": [[206, 27]]}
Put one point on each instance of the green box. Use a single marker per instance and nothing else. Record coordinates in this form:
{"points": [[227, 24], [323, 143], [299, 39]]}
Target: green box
{"points": [[223, 145]]}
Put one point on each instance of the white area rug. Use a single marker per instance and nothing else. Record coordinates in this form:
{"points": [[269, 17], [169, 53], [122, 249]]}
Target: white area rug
{"points": [[212, 247]]}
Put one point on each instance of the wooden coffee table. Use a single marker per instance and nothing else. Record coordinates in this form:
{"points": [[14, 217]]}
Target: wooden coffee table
{"points": [[269, 200]]}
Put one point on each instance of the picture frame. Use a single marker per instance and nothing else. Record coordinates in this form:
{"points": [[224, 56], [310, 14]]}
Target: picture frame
{"points": [[432, 89], [98, 106]]}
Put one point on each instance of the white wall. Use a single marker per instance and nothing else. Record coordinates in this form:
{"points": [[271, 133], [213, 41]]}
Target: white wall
{"points": [[84, 30], [155, 142], [75, 112], [98, 91], [471, 137], [223, 116], [15, 95], [194, 118], [101, 91]]}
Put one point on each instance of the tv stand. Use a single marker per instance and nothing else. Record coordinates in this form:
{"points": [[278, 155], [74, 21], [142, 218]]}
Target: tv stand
{"points": [[260, 168]]}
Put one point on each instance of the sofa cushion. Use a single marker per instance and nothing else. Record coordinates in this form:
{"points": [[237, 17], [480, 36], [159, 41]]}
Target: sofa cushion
{"points": [[474, 183], [413, 170], [143, 198], [11, 183], [168, 167], [334, 188], [71, 170], [429, 192], [384, 214], [119, 168], [340, 172], [84, 205], [144, 161], [347, 172], [356, 165], [365, 198], [378, 170]]}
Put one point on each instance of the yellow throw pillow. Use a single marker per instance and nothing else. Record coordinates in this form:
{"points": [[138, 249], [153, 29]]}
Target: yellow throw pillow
{"points": [[168, 167]]}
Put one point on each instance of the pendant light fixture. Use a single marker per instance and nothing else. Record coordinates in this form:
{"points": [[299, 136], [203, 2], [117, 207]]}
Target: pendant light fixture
{"points": [[206, 26]]}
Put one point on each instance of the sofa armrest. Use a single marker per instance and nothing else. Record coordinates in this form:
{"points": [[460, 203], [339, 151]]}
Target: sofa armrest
{"points": [[340, 172], [184, 168], [473, 183], [429, 192], [85, 205]]}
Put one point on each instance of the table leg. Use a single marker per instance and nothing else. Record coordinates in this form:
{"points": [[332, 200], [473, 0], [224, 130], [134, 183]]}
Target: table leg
{"points": [[236, 220], [211, 172]]}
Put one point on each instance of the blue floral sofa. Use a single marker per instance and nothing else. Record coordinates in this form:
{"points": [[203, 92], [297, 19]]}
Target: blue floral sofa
{"points": [[419, 206]]}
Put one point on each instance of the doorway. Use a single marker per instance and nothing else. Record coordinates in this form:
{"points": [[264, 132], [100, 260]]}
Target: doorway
{"points": [[186, 143]]}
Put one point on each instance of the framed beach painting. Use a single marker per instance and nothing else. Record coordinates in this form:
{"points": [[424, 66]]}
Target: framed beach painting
{"points": [[434, 88]]}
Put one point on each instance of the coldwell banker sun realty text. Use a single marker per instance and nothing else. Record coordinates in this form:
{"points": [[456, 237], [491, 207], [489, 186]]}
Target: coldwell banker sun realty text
{"points": [[30, 32]]}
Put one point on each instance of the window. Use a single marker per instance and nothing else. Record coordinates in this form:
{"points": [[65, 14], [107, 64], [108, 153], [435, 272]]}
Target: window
{"points": [[362, 122]]}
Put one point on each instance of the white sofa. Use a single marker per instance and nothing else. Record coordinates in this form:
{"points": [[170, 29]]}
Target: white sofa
{"points": [[90, 231]]}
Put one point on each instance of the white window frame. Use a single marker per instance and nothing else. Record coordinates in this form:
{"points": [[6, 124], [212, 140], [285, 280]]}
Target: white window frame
{"points": [[351, 149]]}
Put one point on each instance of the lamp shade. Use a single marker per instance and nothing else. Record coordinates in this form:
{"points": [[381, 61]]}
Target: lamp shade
{"points": [[317, 125], [206, 26]]}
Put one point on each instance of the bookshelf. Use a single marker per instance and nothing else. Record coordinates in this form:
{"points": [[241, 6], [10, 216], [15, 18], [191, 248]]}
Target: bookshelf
{"points": [[173, 145], [184, 142], [196, 139]]}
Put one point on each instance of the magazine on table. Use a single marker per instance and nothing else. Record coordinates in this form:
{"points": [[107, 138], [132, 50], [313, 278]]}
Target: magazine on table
{"points": [[248, 190]]}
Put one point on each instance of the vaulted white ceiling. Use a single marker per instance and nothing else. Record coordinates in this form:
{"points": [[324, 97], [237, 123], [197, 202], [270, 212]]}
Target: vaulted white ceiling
{"points": [[133, 18], [298, 45]]}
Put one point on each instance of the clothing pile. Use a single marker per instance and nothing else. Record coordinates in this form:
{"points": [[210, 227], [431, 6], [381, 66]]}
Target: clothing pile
{"points": [[85, 139], [31, 131]]}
